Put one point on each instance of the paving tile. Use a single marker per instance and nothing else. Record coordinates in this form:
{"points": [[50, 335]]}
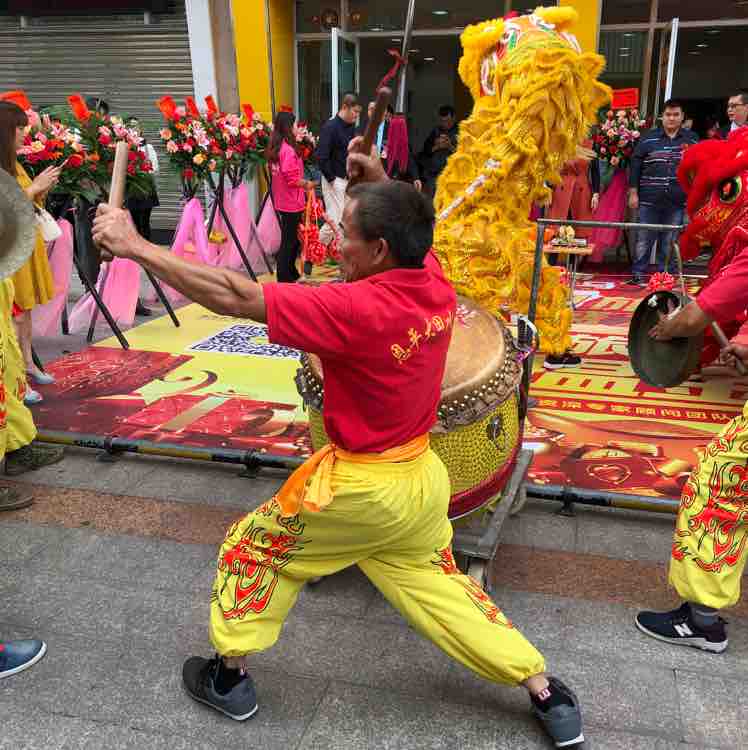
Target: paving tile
{"points": [[541, 527], [618, 695], [151, 697], [81, 469], [71, 607], [21, 541], [74, 677], [601, 739], [352, 717], [148, 562], [625, 536], [348, 593], [714, 709], [616, 636], [28, 728], [379, 655]]}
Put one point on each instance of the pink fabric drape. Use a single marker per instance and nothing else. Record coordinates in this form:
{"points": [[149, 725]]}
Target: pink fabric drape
{"points": [[118, 286], [269, 229], [612, 207], [46, 318], [190, 242]]}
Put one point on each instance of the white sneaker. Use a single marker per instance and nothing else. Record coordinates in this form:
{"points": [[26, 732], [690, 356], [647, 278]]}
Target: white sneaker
{"points": [[32, 397]]}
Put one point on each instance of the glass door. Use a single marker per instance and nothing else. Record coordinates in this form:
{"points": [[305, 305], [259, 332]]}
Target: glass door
{"points": [[346, 54]]}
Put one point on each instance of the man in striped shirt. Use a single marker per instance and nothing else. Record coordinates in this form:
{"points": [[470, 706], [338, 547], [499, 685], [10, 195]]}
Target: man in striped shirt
{"points": [[654, 188]]}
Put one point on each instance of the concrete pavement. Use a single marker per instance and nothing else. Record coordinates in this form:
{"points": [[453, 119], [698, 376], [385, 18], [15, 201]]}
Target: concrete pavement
{"points": [[113, 564]]}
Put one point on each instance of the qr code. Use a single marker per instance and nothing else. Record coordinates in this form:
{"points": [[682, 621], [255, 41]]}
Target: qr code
{"points": [[246, 341]]}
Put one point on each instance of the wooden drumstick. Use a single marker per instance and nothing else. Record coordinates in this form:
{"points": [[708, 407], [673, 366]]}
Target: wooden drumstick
{"points": [[119, 175], [117, 186], [380, 108], [719, 334]]}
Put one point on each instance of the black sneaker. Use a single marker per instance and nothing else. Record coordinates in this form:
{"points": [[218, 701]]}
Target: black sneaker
{"points": [[635, 281], [31, 457], [679, 628], [199, 675], [557, 709], [557, 361]]}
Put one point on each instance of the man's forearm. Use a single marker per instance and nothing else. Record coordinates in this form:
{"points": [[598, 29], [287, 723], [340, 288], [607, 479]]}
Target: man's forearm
{"points": [[220, 290], [689, 321]]}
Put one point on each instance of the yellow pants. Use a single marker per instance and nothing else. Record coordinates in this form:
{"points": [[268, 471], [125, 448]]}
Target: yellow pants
{"points": [[17, 425], [390, 519], [711, 533]]}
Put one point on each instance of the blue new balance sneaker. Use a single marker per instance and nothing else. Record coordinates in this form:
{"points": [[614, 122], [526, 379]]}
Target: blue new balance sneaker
{"points": [[201, 681], [15, 656], [557, 709]]}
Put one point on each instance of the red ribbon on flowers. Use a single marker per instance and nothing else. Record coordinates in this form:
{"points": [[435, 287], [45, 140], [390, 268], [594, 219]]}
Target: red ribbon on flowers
{"points": [[660, 281], [191, 107], [249, 112], [211, 104], [399, 62], [80, 110], [17, 97], [168, 107]]}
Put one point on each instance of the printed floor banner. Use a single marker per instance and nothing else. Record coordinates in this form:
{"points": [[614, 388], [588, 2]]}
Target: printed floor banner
{"points": [[217, 382]]}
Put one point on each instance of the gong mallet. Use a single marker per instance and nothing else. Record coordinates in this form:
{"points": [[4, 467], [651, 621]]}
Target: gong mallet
{"points": [[380, 109], [719, 334]]}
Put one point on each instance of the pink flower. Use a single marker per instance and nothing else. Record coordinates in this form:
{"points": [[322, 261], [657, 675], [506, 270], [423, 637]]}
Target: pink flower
{"points": [[615, 161], [186, 147], [172, 147], [166, 134], [636, 134]]}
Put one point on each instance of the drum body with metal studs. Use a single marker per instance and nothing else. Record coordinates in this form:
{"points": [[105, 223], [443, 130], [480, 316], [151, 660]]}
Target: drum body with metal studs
{"points": [[477, 434]]}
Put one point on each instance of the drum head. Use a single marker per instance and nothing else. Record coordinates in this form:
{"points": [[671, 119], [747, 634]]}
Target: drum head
{"points": [[662, 364]]}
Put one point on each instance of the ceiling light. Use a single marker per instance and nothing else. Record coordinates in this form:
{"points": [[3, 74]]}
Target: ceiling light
{"points": [[712, 31], [429, 59], [702, 45], [624, 49], [377, 28], [694, 52], [624, 54], [414, 51], [395, 39], [440, 12], [628, 33]]}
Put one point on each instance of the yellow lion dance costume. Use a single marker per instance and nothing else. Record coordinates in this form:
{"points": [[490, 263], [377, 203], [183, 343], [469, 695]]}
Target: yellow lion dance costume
{"points": [[536, 95]]}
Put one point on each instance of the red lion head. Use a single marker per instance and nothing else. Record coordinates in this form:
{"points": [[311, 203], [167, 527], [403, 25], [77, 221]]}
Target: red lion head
{"points": [[714, 175]]}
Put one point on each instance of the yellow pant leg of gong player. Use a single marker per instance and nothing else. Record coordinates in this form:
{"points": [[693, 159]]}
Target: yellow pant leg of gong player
{"points": [[710, 544], [20, 428], [391, 519]]}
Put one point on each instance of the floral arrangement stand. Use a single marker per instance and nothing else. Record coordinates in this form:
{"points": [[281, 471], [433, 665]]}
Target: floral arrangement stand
{"points": [[218, 189]]}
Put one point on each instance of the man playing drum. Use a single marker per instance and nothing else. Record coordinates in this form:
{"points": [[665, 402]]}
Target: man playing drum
{"points": [[377, 496], [710, 545]]}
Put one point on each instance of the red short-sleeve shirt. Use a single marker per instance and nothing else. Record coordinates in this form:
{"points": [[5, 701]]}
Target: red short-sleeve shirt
{"points": [[383, 344]]}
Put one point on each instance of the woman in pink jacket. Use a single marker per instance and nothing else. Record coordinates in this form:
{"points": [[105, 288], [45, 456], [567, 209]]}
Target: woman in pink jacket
{"points": [[288, 190]]}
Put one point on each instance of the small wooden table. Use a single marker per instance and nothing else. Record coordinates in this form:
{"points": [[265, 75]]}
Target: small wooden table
{"points": [[572, 253]]}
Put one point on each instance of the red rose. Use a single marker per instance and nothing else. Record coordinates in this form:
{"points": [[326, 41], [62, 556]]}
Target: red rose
{"points": [[75, 161], [132, 155], [188, 174], [130, 169], [104, 139]]}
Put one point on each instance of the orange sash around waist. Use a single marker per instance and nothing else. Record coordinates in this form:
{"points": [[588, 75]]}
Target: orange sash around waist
{"points": [[310, 485]]}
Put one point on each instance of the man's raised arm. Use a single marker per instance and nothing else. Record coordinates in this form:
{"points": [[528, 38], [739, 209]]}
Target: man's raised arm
{"points": [[220, 290]]}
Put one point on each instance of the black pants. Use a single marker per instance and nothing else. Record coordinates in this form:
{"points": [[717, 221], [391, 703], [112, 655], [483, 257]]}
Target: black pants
{"points": [[290, 246]]}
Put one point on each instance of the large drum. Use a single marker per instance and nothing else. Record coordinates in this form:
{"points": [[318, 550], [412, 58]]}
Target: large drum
{"points": [[478, 430]]}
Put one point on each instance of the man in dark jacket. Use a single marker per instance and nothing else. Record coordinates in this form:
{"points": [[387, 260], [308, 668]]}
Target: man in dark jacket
{"points": [[332, 153], [654, 188], [437, 148]]}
